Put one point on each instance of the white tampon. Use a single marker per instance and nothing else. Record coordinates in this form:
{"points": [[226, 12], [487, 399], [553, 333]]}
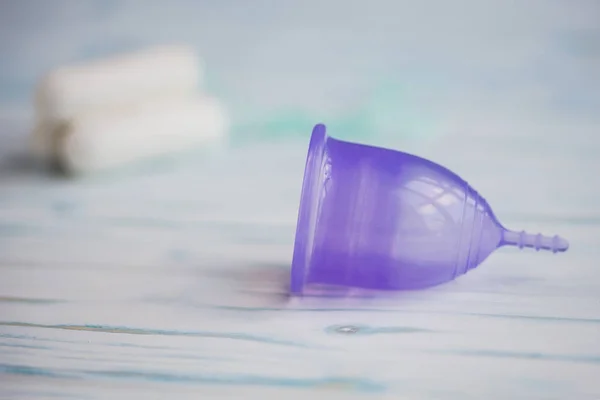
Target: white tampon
{"points": [[115, 82], [98, 141]]}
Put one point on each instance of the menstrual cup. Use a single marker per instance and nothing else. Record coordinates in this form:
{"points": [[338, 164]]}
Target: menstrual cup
{"points": [[378, 219]]}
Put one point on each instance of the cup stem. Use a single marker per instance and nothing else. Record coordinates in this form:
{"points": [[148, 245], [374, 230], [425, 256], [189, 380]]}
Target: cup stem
{"points": [[535, 241]]}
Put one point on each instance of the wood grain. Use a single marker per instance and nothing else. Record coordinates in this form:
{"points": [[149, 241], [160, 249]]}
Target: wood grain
{"points": [[172, 283]]}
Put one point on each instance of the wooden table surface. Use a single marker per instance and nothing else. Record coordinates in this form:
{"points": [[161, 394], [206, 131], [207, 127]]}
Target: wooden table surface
{"points": [[170, 283]]}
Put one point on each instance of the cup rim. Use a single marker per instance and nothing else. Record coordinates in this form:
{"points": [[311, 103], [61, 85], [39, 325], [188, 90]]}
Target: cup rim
{"points": [[309, 204]]}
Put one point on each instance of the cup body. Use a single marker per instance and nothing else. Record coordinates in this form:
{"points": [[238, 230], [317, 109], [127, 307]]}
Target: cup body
{"points": [[379, 219]]}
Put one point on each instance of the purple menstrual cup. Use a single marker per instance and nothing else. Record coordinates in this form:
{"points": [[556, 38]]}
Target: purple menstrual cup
{"points": [[378, 219]]}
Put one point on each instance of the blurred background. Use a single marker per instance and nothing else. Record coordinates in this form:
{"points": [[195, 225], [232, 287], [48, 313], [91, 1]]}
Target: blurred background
{"points": [[383, 69], [464, 83]]}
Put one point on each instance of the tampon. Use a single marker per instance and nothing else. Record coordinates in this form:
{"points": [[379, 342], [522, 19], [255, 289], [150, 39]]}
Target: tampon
{"points": [[98, 141], [112, 83]]}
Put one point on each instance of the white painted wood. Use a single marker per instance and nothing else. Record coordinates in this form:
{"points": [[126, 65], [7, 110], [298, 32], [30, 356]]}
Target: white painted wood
{"points": [[171, 283]]}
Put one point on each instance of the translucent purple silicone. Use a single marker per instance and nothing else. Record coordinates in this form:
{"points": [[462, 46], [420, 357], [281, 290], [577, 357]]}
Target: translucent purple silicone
{"points": [[378, 219]]}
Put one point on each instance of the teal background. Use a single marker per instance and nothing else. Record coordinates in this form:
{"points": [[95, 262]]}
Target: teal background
{"points": [[383, 70]]}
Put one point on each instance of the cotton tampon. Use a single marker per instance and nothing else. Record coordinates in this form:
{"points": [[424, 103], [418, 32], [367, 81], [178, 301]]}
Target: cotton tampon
{"points": [[99, 141], [112, 83]]}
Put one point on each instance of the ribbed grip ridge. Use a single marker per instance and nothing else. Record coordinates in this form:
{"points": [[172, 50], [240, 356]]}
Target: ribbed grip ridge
{"points": [[535, 241]]}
